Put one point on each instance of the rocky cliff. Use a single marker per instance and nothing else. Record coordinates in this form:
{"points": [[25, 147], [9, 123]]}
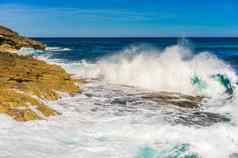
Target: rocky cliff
{"points": [[25, 81], [11, 41]]}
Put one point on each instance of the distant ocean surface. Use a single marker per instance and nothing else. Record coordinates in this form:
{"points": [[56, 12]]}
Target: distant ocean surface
{"points": [[93, 48], [113, 118]]}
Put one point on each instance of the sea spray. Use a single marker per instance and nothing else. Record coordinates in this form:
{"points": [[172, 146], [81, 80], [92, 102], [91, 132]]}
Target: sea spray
{"points": [[171, 70], [104, 129]]}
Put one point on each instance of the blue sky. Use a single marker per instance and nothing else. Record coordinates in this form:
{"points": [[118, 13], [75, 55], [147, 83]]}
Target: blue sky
{"points": [[121, 18]]}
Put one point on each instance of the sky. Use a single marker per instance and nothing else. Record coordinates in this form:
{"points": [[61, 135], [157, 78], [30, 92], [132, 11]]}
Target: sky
{"points": [[121, 18]]}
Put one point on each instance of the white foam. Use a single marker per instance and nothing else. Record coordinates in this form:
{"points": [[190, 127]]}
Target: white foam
{"points": [[92, 126], [57, 49], [28, 51], [168, 70], [108, 131]]}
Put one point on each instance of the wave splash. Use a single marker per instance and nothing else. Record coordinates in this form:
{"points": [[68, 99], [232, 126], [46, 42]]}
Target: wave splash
{"points": [[174, 69]]}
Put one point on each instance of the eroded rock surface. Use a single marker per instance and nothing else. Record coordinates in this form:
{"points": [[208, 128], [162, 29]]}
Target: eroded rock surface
{"points": [[23, 79], [11, 41]]}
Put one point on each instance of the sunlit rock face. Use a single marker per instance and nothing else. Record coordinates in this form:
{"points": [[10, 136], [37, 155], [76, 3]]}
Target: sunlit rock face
{"points": [[24, 81], [11, 41]]}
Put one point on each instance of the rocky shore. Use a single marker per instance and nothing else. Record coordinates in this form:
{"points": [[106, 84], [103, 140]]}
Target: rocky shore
{"points": [[25, 81], [11, 41]]}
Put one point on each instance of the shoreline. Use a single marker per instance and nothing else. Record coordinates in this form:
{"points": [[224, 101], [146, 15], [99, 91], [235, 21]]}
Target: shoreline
{"points": [[25, 81]]}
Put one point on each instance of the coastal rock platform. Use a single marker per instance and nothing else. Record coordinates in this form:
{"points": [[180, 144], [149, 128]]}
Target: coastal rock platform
{"points": [[25, 81]]}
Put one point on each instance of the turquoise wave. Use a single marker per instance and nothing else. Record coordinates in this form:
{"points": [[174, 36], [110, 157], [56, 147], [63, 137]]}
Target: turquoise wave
{"points": [[173, 151], [220, 78]]}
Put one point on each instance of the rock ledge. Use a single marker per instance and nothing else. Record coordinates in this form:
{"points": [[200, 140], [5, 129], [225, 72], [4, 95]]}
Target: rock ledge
{"points": [[25, 81], [11, 41]]}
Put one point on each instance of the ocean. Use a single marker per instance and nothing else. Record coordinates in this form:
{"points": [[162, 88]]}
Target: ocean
{"points": [[113, 117]]}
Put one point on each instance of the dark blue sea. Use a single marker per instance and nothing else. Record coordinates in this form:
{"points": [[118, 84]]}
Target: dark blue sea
{"points": [[93, 48]]}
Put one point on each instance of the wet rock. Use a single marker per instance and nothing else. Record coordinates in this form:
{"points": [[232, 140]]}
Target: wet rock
{"points": [[199, 118], [177, 99], [119, 101], [186, 109]]}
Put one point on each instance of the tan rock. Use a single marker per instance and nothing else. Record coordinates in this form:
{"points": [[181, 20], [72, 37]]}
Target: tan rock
{"points": [[11, 41], [22, 79]]}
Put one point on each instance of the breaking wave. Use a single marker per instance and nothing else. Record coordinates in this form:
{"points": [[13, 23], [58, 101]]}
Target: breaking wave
{"points": [[38, 53], [174, 69], [108, 122]]}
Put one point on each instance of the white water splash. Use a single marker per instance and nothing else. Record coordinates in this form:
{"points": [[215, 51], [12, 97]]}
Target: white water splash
{"points": [[91, 125], [57, 49], [29, 51], [171, 70]]}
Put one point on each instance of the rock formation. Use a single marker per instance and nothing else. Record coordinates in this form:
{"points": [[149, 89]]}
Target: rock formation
{"points": [[24, 81], [11, 41], [177, 99]]}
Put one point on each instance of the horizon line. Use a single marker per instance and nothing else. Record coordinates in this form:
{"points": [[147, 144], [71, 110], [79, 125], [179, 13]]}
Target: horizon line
{"points": [[133, 37]]}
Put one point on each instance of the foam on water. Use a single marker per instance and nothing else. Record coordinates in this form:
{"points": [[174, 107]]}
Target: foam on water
{"points": [[93, 124], [171, 70], [57, 49], [29, 51]]}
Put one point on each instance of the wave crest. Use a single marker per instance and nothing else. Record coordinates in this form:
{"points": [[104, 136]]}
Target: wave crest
{"points": [[171, 69]]}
